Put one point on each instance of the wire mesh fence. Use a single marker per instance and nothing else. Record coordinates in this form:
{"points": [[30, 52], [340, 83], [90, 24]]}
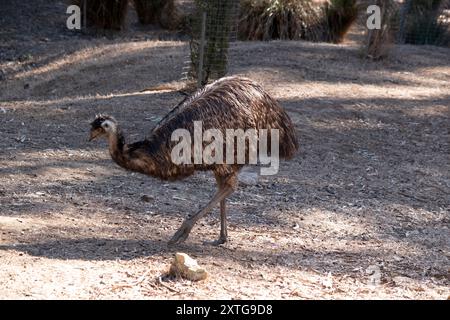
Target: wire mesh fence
{"points": [[216, 23], [419, 22], [213, 27], [424, 22]]}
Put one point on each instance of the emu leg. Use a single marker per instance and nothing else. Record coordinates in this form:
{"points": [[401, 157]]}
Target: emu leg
{"points": [[189, 222], [226, 187], [223, 217], [223, 224], [223, 238]]}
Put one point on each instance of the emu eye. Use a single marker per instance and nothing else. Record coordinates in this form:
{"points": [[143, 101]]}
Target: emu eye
{"points": [[106, 125]]}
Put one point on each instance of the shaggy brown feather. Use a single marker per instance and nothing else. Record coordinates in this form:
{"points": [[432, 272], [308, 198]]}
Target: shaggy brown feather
{"points": [[228, 103]]}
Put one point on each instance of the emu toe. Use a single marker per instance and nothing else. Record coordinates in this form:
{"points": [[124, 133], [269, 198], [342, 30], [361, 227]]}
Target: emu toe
{"points": [[181, 234], [217, 242]]}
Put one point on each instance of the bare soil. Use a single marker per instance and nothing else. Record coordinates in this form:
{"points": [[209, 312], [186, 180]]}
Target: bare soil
{"points": [[361, 212]]}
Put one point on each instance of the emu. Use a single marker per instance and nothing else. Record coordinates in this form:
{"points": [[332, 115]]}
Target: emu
{"points": [[228, 103]]}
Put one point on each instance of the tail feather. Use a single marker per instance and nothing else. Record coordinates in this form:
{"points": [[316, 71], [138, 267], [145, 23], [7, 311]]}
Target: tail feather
{"points": [[277, 118], [288, 138]]}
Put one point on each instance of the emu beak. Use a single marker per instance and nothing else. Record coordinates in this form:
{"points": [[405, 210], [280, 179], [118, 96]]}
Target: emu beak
{"points": [[92, 136]]}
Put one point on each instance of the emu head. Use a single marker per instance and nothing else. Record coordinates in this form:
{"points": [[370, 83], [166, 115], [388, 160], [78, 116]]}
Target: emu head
{"points": [[102, 126]]}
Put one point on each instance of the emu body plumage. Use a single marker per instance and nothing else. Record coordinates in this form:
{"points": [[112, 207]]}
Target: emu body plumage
{"points": [[228, 103]]}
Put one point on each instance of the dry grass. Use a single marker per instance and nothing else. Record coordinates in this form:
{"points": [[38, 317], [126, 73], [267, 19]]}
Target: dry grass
{"points": [[294, 20], [285, 19], [339, 17]]}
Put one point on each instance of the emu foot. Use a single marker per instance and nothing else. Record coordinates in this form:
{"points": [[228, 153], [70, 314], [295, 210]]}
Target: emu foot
{"points": [[181, 234], [218, 242]]}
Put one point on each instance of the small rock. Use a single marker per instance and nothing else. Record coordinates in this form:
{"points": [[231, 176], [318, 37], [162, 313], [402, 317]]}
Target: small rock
{"points": [[330, 190], [147, 198], [24, 57], [186, 267], [374, 273], [21, 139], [328, 281], [412, 233]]}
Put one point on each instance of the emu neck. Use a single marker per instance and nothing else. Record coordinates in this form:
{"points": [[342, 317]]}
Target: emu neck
{"points": [[128, 158], [116, 146]]}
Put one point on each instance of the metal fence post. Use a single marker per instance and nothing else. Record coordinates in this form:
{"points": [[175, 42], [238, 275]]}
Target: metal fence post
{"points": [[202, 49], [403, 13], [85, 15]]}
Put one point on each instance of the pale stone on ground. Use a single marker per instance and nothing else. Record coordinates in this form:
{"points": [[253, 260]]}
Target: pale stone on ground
{"points": [[186, 267]]}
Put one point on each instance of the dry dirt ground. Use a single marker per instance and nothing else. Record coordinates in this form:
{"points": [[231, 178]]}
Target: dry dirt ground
{"points": [[361, 212]]}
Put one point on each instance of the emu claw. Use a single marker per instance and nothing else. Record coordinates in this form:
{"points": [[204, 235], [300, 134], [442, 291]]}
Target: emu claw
{"points": [[181, 234], [218, 242]]}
